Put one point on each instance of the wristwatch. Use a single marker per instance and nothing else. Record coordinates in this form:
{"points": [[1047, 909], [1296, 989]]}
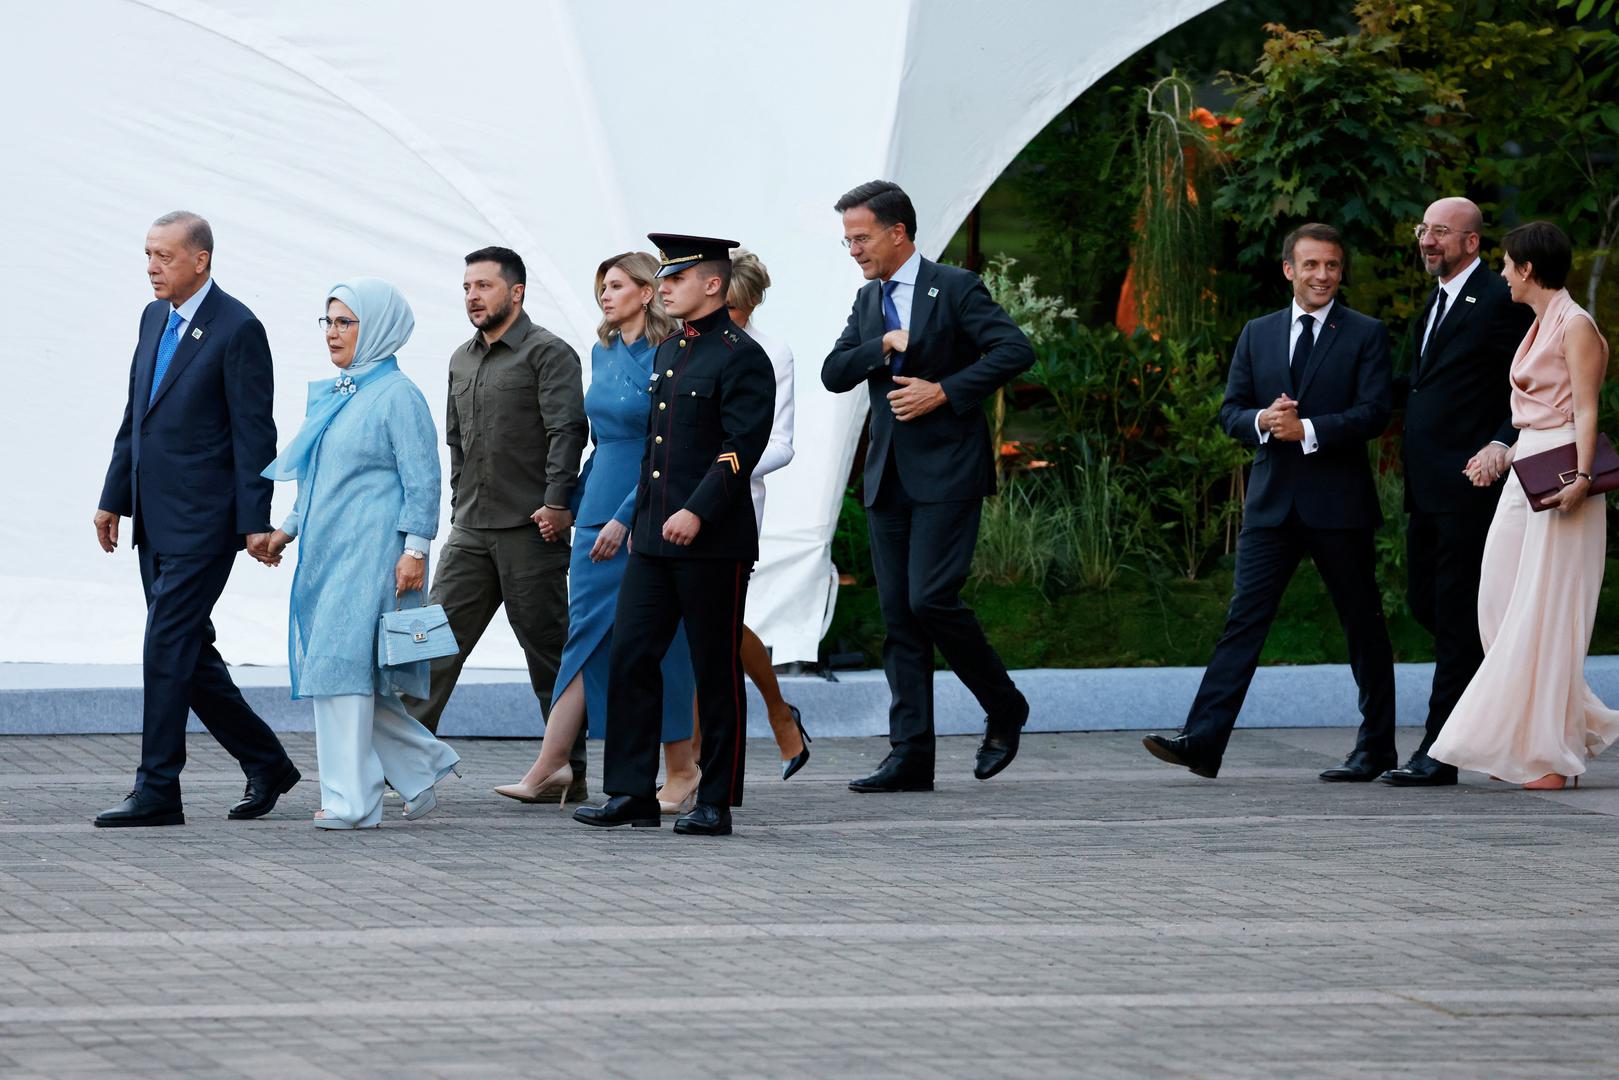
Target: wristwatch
{"points": [[413, 553]]}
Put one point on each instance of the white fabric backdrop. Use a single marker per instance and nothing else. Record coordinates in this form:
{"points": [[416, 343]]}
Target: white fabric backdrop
{"points": [[328, 140]]}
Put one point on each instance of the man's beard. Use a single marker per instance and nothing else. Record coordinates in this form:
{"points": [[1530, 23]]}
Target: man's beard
{"points": [[494, 316], [1442, 269]]}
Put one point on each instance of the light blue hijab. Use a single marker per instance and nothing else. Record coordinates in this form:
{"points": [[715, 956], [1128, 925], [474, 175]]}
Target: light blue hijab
{"points": [[385, 323]]}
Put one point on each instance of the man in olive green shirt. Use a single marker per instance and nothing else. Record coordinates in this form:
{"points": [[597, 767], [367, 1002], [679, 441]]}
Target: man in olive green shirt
{"points": [[516, 428]]}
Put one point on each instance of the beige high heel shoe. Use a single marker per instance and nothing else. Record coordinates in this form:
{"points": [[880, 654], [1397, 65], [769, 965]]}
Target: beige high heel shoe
{"points": [[558, 782], [682, 804], [1552, 782]]}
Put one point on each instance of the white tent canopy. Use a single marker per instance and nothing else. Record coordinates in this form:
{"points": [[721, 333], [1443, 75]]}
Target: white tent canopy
{"points": [[325, 141]]}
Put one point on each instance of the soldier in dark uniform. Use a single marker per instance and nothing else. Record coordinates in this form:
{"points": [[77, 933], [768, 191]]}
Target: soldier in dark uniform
{"points": [[693, 543]]}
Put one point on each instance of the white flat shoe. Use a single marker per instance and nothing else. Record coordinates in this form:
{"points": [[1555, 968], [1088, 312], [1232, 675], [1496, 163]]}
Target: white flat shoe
{"points": [[337, 824]]}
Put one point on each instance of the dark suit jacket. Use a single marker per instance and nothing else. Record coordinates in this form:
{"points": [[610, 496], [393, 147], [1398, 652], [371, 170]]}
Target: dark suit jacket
{"points": [[186, 468], [1460, 398], [1344, 392], [960, 339]]}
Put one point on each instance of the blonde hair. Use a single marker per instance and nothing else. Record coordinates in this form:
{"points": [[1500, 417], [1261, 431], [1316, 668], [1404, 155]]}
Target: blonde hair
{"points": [[642, 269], [749, 280]]}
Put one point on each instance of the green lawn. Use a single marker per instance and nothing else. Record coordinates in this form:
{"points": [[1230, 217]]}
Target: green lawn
{"points": [[1144, 623]]}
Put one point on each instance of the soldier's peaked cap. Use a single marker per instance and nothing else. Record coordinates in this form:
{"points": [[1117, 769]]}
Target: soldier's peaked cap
{"points": [[676, 251]]}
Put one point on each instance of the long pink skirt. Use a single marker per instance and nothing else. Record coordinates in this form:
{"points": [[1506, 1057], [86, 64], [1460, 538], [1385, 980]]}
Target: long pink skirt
{"points": [[1528, 711]]}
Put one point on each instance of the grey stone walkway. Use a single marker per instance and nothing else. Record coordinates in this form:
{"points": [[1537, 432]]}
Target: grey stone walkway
{"points": [[1088, 913]]}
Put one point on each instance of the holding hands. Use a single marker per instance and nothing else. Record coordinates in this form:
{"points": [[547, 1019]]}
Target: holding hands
{"points": [[553, 522], [1488, 465], [1282, 421]]}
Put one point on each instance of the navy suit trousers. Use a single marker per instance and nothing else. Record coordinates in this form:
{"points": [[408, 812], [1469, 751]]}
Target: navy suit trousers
{"points": [[184, 673]]}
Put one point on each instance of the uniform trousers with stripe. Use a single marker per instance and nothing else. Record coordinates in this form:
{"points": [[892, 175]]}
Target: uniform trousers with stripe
{"points": [[657, 592]]}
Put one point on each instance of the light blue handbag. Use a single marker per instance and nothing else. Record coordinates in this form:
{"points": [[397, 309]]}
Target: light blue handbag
{"points": [[412, 635]]}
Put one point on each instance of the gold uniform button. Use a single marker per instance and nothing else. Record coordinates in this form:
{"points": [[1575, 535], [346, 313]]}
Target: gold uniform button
{"points": [[656, 474], [670, 373], [658, 439], [662, 405], [682, 344]]}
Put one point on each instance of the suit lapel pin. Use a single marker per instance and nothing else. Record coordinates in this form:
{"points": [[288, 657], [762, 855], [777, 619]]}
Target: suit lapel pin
{"points": [[197, 334], [1471, 299], [933, 292]]}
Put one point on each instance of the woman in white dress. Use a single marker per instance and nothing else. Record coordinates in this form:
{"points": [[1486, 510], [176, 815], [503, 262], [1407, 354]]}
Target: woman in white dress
{"points": [[1528, 716]]}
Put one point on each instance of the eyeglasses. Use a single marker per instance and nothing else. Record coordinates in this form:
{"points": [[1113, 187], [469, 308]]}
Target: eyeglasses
{"points": [[1439, 231], [343, 323], [859, 241]]}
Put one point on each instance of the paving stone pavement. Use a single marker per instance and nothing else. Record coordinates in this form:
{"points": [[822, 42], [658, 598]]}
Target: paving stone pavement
{"points": [[1089, 913]]}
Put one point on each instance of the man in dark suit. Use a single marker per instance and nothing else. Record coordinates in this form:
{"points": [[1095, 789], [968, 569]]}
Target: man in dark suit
{"points": [[1458, 427], [929, 345], [693, 542], [185, 467], [1309, 387]]}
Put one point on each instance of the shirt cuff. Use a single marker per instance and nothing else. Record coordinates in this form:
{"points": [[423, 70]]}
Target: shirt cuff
{"points": [[418, 543], [290, 526], [1310, 444], [1264, 436], [1498, 442]]}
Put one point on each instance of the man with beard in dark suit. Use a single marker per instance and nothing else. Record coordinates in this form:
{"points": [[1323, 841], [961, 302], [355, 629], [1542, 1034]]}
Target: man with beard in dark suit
{"points": [[1458, 427]]}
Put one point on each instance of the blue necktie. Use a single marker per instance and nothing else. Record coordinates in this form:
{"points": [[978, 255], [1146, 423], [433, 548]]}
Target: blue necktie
{"points": [[166, 349], [891, 320]]}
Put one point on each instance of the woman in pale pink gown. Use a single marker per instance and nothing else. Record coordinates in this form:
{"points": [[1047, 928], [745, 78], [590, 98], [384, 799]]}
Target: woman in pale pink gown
{"points": [[1528, 716]]}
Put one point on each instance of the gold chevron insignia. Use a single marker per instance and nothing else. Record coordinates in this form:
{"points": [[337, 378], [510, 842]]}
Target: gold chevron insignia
{"points": [[729, 458]]}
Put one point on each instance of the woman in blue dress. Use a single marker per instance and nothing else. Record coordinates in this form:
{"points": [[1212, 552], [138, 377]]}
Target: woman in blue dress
{"points": [[366, 462], [633, 322]]}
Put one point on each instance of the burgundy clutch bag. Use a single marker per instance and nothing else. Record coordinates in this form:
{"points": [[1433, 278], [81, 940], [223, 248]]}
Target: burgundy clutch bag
{"points": [[1545, 474]]}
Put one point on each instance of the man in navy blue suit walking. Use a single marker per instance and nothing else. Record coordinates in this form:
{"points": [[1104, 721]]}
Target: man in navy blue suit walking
{"points": [[1310, 386], [197, 430]]}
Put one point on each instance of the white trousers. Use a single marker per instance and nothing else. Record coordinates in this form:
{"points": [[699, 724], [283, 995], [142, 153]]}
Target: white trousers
{"points": [[362, 738]]}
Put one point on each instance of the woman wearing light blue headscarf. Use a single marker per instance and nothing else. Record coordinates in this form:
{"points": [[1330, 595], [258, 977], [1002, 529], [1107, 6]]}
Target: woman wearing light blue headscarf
{"points": [[366, 462]]}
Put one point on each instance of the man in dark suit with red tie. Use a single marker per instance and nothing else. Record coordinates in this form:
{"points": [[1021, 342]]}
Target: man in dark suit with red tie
{"points": [[930, 345], [1458, 427], [185, 468], [1309, 387]]}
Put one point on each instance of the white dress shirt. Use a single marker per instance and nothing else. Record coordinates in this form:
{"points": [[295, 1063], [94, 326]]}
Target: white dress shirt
{"points": [[1318, 319], [779, 450], [904, 291]]}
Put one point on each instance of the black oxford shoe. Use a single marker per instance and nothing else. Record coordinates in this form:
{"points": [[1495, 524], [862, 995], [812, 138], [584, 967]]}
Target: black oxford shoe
{"points": [[628, 810], [997, 750], [1177, 751], [705, 819], [1359, 768], [261, 793], [1421, 771], [895, 775], [139, 811]]}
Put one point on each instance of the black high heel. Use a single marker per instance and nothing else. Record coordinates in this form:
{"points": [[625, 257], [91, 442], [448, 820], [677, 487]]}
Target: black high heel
{"points": [[798, 761]]}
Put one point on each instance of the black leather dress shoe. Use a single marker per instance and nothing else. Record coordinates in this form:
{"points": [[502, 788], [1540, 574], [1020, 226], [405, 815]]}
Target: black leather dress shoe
{"points": [[895, 774], [705, 819], [1359, 768], [259, 797], [1421, 771], [138, 811], [629, 810], [998, 748], [1177, 751]]}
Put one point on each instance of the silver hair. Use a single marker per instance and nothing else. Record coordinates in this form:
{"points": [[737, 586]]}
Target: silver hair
{"points": [[199, 234]]}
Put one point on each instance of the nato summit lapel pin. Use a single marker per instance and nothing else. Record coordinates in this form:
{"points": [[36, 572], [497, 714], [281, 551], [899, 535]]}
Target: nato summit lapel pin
{"points": [[1471, 299], [196, 335], [933, 292]]}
